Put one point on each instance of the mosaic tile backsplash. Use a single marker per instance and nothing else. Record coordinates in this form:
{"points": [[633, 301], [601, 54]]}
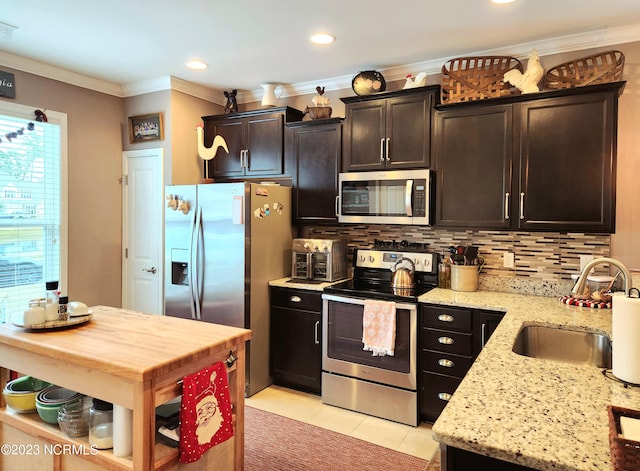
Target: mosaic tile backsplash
{"points": [[544, 262]]}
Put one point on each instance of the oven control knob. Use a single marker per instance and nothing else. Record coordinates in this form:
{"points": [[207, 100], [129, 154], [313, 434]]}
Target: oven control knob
{"points": [[427, 264]]}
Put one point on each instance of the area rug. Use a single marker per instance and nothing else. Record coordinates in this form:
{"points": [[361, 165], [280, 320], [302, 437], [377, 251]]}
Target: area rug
{"points": [[277, 443]]}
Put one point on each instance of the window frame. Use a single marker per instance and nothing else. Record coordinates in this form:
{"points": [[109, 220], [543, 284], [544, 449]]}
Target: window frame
{"points": [[27, 112]]}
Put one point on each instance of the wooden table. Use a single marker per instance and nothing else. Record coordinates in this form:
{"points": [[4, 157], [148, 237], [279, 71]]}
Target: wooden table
{"points": [[128, 358]]}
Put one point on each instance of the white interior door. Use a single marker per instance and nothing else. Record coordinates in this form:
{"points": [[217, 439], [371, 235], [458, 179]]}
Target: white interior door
{"points": [[142, 277]]}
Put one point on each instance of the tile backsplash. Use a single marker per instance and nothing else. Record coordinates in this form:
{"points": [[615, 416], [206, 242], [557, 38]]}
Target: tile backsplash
{"points": [[544, 261]]}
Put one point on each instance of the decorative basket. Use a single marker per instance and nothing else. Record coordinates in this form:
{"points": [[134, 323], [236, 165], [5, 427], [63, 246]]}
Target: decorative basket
{"points": [[625, 454], [476, 78], [599, 68]]}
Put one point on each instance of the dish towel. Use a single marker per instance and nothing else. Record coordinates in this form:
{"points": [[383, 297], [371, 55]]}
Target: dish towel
{"points": [[379, 327], [205, 412]]}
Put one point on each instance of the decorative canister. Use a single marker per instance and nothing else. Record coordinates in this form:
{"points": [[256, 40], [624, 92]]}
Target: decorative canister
{"points": [[464, 277]]}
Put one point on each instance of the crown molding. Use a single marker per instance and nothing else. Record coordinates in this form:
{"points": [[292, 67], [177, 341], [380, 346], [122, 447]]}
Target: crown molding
{"points": [[574, 42], [56, 73]]}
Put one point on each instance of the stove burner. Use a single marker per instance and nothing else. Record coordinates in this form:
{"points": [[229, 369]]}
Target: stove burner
{"points": [[403, 245]]}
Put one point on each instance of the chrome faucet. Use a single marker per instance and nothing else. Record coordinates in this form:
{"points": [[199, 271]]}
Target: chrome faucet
{"points": [[578, 288]]}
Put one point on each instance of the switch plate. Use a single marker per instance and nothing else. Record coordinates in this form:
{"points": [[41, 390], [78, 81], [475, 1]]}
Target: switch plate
{"points": [[508, 260]]}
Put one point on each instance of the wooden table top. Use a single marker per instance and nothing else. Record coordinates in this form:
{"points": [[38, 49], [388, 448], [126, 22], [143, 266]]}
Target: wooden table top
{"points": [[128, 344]]}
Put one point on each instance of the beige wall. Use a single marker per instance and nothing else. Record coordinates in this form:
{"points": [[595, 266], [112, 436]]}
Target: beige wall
{"points": [[97, 125], [95, 149]]}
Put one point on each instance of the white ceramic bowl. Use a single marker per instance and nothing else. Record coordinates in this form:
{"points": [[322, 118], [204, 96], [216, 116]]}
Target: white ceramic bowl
{"points": [[76, 308]]}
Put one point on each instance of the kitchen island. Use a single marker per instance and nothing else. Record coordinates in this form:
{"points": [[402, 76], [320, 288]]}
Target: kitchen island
{"points": [[536, 413], [129, 358]]}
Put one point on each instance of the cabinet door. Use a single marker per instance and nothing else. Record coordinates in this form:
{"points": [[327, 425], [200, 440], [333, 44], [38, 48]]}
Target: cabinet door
{"points": [[314, 151], [233, 132], [296, 348], [408, 130], [364, 143], [567, 167], [264, 142], [473, 155], [484, 323]]}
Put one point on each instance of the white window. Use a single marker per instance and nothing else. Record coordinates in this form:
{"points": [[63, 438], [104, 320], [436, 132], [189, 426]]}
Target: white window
{"points": [[33, 206]]}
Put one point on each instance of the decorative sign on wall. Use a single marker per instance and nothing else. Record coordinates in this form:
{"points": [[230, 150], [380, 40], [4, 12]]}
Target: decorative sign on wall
{"points": [[7, 85]]}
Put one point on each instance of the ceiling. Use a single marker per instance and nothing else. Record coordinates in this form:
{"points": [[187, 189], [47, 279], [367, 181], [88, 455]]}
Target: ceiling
{"points": [[245, 43]]}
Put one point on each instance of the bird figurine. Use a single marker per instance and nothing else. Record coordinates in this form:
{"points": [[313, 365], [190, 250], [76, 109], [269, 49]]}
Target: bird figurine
{"points": [[419, 81], [526, 82], [208, 153], [319, 100]]}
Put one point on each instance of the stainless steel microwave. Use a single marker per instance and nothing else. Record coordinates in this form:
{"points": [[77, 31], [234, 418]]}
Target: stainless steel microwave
{"points": [[384, 197]]}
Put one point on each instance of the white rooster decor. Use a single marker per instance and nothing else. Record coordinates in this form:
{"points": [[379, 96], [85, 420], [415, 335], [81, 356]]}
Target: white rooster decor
{"points": [[419, 81], [527, 82], [208, 153]]}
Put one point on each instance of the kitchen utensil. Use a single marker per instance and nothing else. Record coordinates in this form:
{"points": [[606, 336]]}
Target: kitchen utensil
{"points": [[402, 277]]}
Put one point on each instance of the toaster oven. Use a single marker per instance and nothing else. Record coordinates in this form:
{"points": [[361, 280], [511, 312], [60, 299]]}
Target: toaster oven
{"points": [[319, 259]]}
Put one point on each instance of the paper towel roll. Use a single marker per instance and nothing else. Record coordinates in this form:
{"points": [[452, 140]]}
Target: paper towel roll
{"points": [[122, 431], [626, 338]]}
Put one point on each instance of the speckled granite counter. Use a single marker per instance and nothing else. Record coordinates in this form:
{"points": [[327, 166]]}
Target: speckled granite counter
{"points": [[288, 282], [538, 413]]}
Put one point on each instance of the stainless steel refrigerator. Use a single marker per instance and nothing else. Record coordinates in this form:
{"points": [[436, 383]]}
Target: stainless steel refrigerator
{"points": [[223, 243]]}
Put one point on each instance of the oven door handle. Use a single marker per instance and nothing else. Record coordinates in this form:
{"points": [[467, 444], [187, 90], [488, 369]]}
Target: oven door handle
{"points": [[349, 300]]}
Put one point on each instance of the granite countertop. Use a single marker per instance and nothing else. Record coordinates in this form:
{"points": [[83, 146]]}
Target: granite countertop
{"points": [[289, 282], [542, 414]]}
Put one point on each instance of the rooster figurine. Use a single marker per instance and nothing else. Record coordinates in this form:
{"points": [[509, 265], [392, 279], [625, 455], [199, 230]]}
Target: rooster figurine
{"points": [[419, 81], [527, 82], [208, 153]]}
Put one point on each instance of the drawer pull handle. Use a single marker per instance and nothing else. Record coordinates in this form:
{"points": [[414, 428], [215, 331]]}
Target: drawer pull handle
{"points": [[444, 396], [445, 340], [446, 363], [446, 318], [295, 299]]}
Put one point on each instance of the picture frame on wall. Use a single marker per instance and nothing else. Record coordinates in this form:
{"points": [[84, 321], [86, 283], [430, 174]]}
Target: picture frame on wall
{"points": [[146, 128]]}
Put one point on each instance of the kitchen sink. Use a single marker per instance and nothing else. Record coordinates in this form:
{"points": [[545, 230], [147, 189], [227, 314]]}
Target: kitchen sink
{"points": [[568, 346]]}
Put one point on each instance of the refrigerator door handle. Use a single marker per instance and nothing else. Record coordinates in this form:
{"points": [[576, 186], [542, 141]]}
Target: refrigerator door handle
{"points": [[194, 270]]}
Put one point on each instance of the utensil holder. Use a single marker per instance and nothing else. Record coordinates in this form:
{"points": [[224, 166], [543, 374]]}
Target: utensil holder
{"points": [[464, 277]]}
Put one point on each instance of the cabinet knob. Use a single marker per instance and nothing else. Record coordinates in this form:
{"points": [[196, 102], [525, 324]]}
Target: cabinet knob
{"points": [[295, 299], [446, 363], [445, 340], [444, 396], [446, 318]]}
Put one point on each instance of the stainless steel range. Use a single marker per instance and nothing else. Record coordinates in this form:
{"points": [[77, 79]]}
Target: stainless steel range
{"points": [[353, 378]]}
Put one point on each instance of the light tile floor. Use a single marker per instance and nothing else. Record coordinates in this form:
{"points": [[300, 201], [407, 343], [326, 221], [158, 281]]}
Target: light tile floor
{"points": [[309, 408]]}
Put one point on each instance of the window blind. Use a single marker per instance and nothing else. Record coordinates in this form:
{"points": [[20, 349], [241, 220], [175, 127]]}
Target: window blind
{"points": [[30, 211]]}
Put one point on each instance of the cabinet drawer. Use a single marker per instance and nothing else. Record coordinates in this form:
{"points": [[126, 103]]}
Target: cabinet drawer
{"points": [[447, 318], [445, 363], [297, 299], [436, 391], [446, 341]]}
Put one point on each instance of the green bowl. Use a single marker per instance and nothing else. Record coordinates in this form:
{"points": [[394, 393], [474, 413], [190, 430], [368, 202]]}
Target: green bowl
{"points": [[26, 384], [48, 413]]}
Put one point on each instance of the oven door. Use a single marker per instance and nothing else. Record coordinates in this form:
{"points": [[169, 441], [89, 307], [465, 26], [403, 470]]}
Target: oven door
{"points": [[342, 347]]}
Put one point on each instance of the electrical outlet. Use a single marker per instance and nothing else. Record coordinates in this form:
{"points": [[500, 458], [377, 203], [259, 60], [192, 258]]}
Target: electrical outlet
{"points": [[508, 260], [584, 259]]}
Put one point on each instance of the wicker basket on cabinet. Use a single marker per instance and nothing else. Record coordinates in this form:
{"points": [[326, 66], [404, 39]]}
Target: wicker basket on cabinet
{"points": [[476, 78], [603, 67], [625, 453]]}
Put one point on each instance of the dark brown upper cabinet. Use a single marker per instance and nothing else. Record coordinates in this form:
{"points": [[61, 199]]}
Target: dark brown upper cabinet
{"points": [[255, 140], [538, 162], [313, 152], [388, 130]]}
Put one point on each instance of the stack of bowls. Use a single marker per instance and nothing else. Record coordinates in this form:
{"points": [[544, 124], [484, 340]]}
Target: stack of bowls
{"points": [[73, 417], [50, 400], [20, 394]]}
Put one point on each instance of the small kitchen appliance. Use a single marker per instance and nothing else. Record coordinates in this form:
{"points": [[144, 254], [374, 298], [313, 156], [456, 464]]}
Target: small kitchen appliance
{"points": [[384, 386], [319, 259]]}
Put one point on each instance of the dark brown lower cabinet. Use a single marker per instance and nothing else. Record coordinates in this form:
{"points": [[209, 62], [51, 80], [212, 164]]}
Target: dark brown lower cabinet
{"points": [[456, 459], [450, 339], [296, 329]]}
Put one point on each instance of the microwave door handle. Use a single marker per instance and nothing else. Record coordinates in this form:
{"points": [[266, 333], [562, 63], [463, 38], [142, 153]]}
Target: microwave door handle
{"points": [[407, 197]]}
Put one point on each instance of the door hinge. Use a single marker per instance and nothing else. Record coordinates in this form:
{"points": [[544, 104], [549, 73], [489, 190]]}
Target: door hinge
{"points": [[124, 179]]}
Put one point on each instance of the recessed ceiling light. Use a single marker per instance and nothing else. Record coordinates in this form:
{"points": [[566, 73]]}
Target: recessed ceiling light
{"points": [[322, 38], [503, 1], [197, 65]]}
